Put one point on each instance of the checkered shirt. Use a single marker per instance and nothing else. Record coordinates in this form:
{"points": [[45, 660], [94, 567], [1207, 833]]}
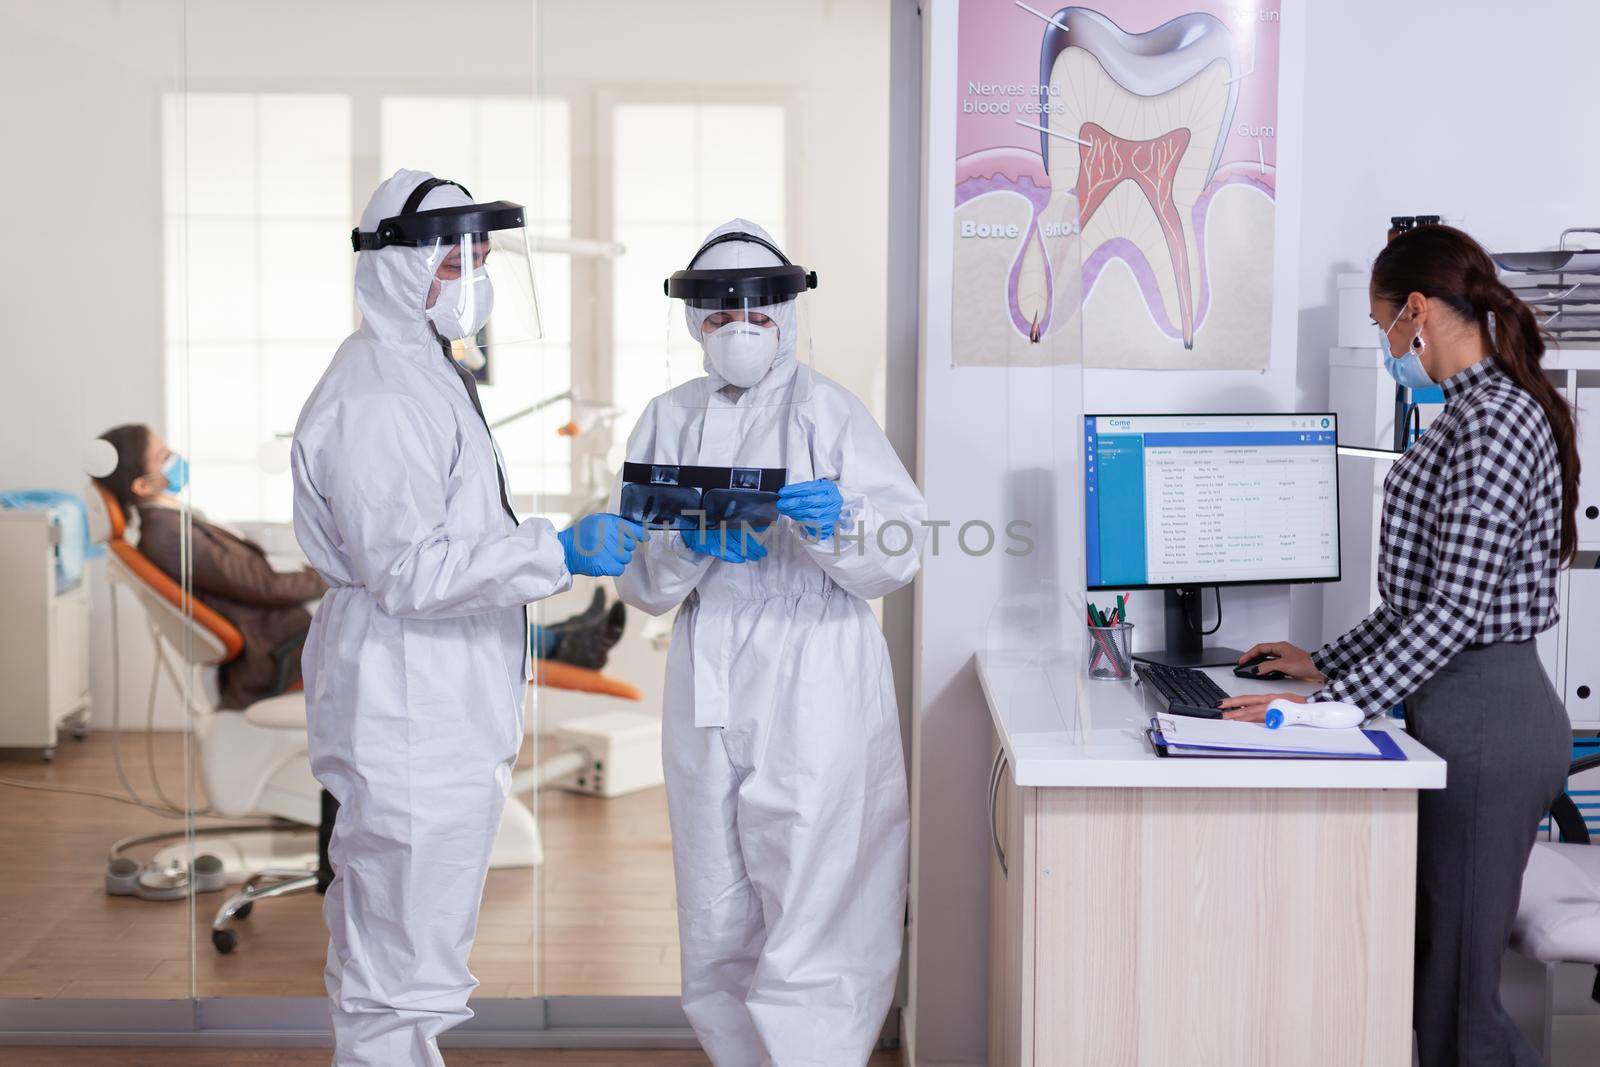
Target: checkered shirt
{"points": [[1470, 544]]}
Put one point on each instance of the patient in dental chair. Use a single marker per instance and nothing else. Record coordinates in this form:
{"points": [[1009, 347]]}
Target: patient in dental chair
{"points": [[233, 577]]}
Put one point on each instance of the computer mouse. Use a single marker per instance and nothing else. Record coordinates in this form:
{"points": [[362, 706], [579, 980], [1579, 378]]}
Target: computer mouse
{"points": [[1248, 669]]}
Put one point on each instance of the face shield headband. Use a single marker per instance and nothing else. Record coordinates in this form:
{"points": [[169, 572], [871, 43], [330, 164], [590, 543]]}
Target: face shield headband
{"points": [[739, 287], [412, 228]]}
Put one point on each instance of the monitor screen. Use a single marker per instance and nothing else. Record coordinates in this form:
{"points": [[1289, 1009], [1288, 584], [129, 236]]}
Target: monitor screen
{"points": [[1211, 499]]}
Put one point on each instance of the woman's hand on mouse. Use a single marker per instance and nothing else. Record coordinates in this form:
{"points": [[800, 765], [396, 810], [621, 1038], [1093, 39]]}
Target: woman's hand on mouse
{"points": [[1282, 656]]}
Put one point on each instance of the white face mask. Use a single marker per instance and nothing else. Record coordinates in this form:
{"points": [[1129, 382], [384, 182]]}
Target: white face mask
{"points": [[742, 352], [461, 310]]}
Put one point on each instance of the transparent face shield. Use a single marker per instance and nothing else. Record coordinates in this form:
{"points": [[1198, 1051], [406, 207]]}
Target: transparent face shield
{"points": [[737, 331], [737, 341], [748, 355], [482, 294]]}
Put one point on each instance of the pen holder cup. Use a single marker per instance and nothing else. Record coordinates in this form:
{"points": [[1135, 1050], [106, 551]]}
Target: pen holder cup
{"points": [[1111, 652]]}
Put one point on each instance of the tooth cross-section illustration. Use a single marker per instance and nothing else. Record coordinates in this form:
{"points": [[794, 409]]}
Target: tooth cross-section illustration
{"points": [[1149, 113], [1116, 180]]}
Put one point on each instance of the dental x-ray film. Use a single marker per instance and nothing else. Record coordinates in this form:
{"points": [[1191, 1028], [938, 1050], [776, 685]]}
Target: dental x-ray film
{"points": [[670, 497]]}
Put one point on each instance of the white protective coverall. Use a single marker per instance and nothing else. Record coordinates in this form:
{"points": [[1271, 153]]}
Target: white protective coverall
{"points": [[417, 657], [785, 781]]}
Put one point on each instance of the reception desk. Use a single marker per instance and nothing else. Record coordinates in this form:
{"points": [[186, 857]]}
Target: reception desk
{"points": [[1190, 911]]}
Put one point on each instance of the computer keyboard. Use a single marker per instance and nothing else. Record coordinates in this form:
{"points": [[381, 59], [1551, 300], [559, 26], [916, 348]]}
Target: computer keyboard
{"points": [[1185, 691]]}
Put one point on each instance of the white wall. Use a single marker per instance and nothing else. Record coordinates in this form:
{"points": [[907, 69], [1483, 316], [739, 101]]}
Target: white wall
{"points": [[1480, 113], [84, 304], [83, 307], [957, 467], [1473, 110]]}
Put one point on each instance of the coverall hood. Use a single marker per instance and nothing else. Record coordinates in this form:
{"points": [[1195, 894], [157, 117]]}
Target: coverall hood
{"points": [[392, 283], [733, 254]]}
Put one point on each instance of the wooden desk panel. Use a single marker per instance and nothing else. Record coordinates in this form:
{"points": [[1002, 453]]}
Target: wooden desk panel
{"points": [[1223, 927]]}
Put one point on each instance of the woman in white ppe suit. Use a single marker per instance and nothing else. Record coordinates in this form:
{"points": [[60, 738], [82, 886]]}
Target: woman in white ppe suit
{"points": [[417, 657], [785, 781]]}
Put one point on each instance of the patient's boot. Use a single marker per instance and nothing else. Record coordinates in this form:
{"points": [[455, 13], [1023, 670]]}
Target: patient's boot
{"points": [[587, 640], [589, 616]]}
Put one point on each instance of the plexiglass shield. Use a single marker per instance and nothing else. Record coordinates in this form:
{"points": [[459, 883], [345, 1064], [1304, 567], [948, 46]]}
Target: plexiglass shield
{"points": [[1042, 649]]}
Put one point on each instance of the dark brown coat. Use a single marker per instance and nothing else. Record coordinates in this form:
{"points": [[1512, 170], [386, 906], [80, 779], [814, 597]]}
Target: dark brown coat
{"points": [[234, 579]]}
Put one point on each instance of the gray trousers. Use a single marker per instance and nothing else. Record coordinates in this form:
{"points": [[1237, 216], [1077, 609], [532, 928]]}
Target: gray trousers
{"points": [[1493, 715]]}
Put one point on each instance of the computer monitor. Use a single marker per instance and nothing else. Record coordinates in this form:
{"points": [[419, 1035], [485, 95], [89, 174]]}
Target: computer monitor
{"points": [[1179, 502]]}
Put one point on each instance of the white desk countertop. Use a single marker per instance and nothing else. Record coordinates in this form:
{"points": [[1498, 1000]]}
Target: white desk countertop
{"points": [[1102, 744]]}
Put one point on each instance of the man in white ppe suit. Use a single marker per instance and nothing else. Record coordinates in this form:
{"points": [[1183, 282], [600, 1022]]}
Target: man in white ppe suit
{"points": [[417, 658], [785, 781]]}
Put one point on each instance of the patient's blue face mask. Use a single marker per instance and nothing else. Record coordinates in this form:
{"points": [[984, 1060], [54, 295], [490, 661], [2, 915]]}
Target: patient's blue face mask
{"points": [[176, 470], [1408, 369]]}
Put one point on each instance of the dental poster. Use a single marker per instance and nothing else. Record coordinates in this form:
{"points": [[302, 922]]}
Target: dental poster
{"points": [[1115, 183]]}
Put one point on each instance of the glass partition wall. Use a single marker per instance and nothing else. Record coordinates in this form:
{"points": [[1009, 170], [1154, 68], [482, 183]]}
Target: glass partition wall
{"points": [[171, 856], [290, 123], [99, 769]]}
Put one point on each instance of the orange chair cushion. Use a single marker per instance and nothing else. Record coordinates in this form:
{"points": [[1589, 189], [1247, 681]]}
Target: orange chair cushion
{"points": [[158, 580], [114, 515], [558, 675], [172, 593]]}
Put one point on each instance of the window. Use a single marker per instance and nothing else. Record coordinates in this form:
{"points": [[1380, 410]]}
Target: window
{"points": [[681, 170], [258, 277], [508, 148], [259, 281]]}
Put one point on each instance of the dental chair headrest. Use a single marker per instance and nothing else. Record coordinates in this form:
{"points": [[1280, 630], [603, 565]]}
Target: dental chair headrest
{"points": [[99, 458]]}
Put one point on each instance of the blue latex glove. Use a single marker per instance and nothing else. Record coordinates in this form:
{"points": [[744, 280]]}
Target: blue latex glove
{"points": [[730, 544], [600, 545], [814, 505]]}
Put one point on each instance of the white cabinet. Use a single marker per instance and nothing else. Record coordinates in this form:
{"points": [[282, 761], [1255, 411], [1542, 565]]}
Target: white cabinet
{"points": [[1356, 391], [1589, 457], [1552, 644], [44, 636], [1011, 919], [1581, 686]]}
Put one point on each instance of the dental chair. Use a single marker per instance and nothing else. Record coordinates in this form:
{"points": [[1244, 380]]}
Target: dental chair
{"points": [[1557, 923], [253, 763]]}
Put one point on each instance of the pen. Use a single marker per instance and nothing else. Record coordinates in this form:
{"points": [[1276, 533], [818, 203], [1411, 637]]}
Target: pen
{"points": [[1103, 646]]}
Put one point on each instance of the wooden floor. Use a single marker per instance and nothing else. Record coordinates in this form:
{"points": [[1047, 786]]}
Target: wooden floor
{"points": [[598, 919], [167, 1057]]}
